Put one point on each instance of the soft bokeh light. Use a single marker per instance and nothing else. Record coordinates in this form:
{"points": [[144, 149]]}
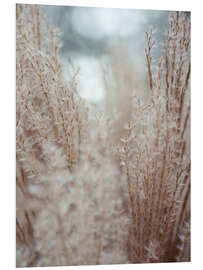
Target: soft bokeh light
{"points": [[101, 23], [90, 81]]}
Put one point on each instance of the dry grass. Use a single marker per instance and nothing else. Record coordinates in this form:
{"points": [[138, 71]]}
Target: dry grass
{"points": [[115, 189]]}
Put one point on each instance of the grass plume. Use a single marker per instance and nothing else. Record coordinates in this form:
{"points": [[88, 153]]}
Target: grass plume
{"points": [[115, 189]]}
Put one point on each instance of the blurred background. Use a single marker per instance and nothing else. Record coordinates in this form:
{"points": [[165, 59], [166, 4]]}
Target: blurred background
{"points": [[89, 35]]}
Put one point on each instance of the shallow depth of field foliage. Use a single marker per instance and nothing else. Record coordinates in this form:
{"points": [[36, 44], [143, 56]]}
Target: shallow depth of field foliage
{"points": [[101, 186]]}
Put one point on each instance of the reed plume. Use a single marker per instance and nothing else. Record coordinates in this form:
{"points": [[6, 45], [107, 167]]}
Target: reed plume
{"points": [[107, 187]]}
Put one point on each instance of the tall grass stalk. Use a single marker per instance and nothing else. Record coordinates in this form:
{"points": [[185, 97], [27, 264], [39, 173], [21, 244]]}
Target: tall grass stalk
{"points": [[115, 189]]}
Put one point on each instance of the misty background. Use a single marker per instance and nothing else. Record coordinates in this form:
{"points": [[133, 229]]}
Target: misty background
{"points": [[89, 33]]}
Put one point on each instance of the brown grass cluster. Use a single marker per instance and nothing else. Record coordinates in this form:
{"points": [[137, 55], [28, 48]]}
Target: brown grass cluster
{"points": [[101, 187]]}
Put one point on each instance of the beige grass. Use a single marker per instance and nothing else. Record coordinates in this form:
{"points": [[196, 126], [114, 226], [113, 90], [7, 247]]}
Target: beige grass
{"points": [[115, 189]]}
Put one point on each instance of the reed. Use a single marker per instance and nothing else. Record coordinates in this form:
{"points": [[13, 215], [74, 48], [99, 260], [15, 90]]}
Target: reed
{"points": [[112, 187]]}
